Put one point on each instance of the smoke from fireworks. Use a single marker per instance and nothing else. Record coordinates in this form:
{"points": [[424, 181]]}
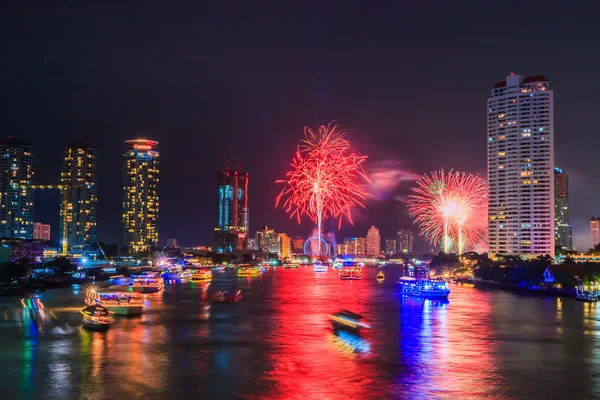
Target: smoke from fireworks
{"points": [[451, 209], [323, 180]]}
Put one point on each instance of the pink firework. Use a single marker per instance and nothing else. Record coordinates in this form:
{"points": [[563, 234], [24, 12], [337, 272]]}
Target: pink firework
{"points": [[323, 180], [451, 209]]}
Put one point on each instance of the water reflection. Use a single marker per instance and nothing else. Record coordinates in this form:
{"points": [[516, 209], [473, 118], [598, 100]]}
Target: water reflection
{"points": [[278, 343]]}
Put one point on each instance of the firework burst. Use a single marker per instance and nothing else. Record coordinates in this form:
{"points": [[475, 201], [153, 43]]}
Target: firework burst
{"points": [[451, 209], [322, 182]]}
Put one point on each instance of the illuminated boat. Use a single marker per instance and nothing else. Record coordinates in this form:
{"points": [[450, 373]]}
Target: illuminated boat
{"points": [[95, 318], [118, 280], [352, 274], [225, 297], [380, 276], [146, 283], [249, 271], [173, 274], [588, 296], [201, 274], [120, 302], [426, 288], [338, 265], [321, 267], [348, 321], [290, 266]]}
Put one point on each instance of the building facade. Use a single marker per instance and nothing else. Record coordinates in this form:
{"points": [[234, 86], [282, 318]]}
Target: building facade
{"points": [[520, 135], [373, 242], [79, 195], [268, 241], [404, 241], [231, 229], [41, 231], [172, 243], [141, 169], [563, 234], [594, 231], [298, 245], [390, 246], [356, 246], [286, 245], [16, 195]]}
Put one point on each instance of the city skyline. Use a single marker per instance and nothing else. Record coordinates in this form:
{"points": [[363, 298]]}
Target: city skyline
{"points": [[253, 117]]}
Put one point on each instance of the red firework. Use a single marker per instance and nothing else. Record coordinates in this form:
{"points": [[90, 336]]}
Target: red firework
{"points": [[451, 209], [323, 180]]}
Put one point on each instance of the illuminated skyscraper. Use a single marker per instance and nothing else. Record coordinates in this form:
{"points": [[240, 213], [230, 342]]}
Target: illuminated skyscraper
{"points": [[16, 199], [373, 242], [562, 229], [286, 245], [594, 231], [404, 241], [520, 139], [140, 194], [356, 246], [41, 231], [268, 241], [78, 179], [390, 246], [231, 230]]}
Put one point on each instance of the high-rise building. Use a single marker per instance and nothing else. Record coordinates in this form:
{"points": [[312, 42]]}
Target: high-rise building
{"points": [[340, 249], [41, 231], [268, 241], [286, 245], [373, 242], [521, 167], [140, 194], [231, 230], [404, 241], [298, 245], [390, 246], [78, 182], [252, 244], [355, 246], [172, 243], [16, 197], [563, 234], [594, 231]]}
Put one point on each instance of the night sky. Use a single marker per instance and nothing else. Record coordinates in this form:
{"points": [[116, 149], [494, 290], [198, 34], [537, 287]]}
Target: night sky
{"points": [[409, 81]]}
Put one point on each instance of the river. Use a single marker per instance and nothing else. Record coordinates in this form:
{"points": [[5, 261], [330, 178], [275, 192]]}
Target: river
{"points": [[277, 343]]}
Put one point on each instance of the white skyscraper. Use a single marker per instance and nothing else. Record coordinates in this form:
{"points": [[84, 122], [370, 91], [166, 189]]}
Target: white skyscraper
{"points": [[373, 242], [521, 167]]}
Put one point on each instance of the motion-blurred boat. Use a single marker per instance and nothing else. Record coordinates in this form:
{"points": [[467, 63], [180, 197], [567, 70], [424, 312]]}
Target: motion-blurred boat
{"points": [[348, 321], [95, 317]]}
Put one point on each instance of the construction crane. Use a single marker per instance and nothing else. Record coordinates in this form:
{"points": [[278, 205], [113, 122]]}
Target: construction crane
{"points": [[65, 199]]}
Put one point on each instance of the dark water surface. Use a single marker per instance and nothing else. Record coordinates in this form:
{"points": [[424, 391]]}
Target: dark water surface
{"points": [[277, 343]]}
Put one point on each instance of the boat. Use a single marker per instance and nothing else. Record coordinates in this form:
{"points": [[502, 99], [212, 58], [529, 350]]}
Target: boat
{"points": [[199, 274], [290, 266], [172, 274], [95, 317], [146, 283], [118, 280], [424, 287], [350, 274], [249, 271], [120, 302], [338, 265], [380, 276], [588, 296], [219, 268], [347, 321], [321, 268], [225, 297]]}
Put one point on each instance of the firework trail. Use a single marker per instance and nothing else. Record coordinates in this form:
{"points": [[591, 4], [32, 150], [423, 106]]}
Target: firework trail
{"points": [[451, 208], [323, 180]]}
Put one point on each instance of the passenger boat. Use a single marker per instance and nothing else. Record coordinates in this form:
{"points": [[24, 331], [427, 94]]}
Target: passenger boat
{"points": [[201, 274], [95, 317], [588, 296], [321, 267], [352, 274], [290, 266], [225, 297], [249, 271], [120, 302], [348, 321], [423, 287], [172, 274], [146, 283], [380, 276]]}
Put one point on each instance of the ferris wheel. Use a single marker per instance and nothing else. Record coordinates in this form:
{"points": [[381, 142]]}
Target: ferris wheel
{"points": [[311, 248]]}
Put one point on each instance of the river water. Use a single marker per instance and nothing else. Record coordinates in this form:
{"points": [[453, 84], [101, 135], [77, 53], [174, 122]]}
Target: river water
{"points": [[277, 343]]}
